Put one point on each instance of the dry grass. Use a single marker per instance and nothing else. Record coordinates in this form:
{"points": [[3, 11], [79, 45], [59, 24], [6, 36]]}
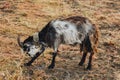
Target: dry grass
{"points": [[25, 17]]}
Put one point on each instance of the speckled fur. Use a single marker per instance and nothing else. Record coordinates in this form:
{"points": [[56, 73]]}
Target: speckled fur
{"points": [[72, 30]]}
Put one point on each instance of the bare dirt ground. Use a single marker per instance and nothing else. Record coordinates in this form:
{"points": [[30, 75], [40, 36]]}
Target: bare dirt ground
{"points": [[25, 17]]}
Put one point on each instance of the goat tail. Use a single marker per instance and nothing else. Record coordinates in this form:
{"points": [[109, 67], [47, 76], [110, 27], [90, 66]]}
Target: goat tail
{"points": [[95, 38]]}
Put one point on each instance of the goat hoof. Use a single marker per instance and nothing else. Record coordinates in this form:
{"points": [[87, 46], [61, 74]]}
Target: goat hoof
{"points": [[88, 68], [51, 67], [80, 64], [27, 64]]}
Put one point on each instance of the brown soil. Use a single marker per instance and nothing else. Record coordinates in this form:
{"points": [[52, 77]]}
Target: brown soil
{"points": [[25, 17]]}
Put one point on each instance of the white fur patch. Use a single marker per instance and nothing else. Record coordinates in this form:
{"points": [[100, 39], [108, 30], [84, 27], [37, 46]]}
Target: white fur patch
{"points": [[33, 50], [88, 26], [68, 30]]}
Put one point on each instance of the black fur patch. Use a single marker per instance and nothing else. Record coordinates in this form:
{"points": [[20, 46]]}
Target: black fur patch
{"points": [[88, 44]]}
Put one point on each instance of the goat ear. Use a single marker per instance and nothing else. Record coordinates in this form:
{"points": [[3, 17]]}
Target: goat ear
{"points": [[20, 43], [36, 37]]}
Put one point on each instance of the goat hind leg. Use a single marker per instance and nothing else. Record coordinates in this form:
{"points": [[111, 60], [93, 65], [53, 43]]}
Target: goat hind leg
{"points": [[90, 61], [82, 48]]}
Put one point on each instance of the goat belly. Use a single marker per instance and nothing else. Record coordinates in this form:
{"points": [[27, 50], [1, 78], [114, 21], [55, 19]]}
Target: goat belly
{"points": [[68, 31]]}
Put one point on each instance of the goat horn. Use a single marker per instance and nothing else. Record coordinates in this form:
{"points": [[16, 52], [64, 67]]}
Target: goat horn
{"points": [[20, 43]]}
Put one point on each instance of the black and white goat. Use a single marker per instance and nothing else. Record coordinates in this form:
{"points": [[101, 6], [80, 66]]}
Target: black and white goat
{"points": [[72, 30]]}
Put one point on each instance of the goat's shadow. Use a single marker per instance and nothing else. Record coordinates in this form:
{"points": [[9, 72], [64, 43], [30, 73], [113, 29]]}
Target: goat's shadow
{"points": [[66, 68]]}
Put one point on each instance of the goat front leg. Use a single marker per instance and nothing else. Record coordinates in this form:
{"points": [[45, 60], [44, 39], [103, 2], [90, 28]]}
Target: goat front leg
{"points": [[55, 47], [35, 57], [83, 59], [52, 65]]}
